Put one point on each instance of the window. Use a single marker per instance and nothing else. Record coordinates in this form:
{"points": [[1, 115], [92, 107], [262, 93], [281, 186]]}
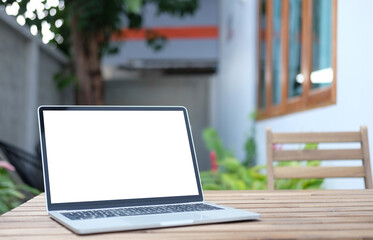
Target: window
{"points": [[297, 55]]}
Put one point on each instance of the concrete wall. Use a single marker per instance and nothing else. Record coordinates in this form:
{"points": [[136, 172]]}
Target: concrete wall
{"points": [[27, 67], [191, 91], [12, 88], [237, 80]]}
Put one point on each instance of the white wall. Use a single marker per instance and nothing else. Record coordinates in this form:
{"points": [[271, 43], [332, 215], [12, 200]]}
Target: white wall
{"points": [[354, 86], [234, 89]]}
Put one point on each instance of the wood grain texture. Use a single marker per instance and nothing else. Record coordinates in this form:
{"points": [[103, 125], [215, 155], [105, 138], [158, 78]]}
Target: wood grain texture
{"points": [[316, 137], [361, 154], [284, 78], [289, 214], [318, 172], [333, 154], [270, 176], [268, 62], [366, 157]]}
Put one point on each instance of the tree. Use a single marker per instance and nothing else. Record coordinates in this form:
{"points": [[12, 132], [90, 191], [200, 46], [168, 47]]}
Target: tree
{"points": [[83, 28]]}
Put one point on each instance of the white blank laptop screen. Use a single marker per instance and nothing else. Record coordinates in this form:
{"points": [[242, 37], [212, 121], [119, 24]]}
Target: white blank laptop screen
{"points": [[112, 155]]}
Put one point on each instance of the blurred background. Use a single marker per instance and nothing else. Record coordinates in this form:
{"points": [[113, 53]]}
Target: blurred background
{"points": [[239, 66]]}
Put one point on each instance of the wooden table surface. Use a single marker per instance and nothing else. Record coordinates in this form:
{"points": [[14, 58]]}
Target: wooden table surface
{"points": [[324, 214]]}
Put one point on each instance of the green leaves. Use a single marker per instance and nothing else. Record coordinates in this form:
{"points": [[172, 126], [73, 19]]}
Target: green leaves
{"points": [[300, 183], [213, 143], [64, 79], [179, 8], [250, 149], [155, 40], [11, 194], [232, 174], [102, 18], [133, 6]]}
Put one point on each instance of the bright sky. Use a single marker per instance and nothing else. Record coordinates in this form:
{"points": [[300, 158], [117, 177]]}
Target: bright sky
{"points": [[41, 12]]}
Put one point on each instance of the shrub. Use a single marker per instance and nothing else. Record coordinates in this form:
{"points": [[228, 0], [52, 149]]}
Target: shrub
{"points": [[228, 173]]}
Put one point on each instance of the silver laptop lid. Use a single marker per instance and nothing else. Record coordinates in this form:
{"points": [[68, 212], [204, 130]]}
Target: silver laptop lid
{"points": [[100, 156]]}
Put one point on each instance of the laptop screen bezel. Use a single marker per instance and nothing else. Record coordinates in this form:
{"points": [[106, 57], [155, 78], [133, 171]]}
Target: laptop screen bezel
{"points": [[124, 202]]}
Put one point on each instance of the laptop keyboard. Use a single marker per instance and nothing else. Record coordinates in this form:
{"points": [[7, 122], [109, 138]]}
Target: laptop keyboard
{"points": [[134, 211]]}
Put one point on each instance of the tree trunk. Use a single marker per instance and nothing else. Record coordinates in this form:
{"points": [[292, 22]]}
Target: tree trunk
{"points": [[86, 55]]}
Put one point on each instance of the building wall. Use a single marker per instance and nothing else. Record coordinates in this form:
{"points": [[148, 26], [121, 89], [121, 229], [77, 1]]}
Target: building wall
{"points": [[27, 67], [12, 85], [124, 85], [354, 86], [180, 90], [190, 48], [237, 81], [234, 89]]}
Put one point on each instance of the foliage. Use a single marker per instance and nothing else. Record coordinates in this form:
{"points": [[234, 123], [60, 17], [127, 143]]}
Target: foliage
{"points": [[312, 183], [11, 194], [102, 17], [64, 79], [231, 174], [300, 183], [250, 144], [83, 30], [213, 143]]}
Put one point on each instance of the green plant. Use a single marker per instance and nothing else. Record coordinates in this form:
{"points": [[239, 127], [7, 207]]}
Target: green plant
{"points": [[85, 30], [213, 143], [12, 194], [300, 183], [233, 175], [250, 144], [228, 173]]}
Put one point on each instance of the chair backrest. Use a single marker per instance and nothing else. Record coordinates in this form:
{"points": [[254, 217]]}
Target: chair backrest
{"points": [[275, 155]]}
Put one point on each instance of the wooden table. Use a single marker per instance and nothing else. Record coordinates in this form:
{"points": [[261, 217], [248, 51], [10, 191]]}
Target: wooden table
{"points": [[325, 214]]}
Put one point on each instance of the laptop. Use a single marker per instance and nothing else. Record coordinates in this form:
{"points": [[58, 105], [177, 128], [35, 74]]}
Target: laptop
{"points": [[116, 168]]}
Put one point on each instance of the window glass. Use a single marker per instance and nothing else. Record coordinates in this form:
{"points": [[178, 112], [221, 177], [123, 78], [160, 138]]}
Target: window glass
{"points": [[276, 52], [322, 73], [296, 37], [295, 42], [262, 54]]}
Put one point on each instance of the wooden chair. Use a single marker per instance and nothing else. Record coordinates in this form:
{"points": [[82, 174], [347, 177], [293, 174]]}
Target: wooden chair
{"points": [[331, 154]]}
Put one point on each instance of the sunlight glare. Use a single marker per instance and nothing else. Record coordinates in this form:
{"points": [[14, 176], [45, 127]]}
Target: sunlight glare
{"points": [[41, 10], [61, 5], [41, 14], [53, 3], [58, 38], [30, 15], [45, 30], [59, 23], [12, 9], [52, 12], [21, 20], [34, 30]]}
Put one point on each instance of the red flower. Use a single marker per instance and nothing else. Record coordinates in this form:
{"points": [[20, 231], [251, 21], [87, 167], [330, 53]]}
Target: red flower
{"points": [[6, 165], [276, 147], [214, 161]]}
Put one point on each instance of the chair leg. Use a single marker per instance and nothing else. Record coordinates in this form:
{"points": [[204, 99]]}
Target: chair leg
{"points": [[366, 155], [270, 177]]}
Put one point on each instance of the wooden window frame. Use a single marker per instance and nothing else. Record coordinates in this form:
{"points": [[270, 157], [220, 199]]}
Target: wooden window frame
{"points": [[310, 98]]}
